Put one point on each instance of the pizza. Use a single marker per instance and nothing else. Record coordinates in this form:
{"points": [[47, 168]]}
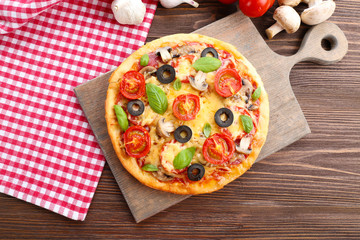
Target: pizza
{"points": [[186, 114]]}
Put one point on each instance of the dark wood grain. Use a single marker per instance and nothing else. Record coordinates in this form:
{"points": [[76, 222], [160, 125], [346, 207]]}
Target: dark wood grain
{"points": [[308, 190]]}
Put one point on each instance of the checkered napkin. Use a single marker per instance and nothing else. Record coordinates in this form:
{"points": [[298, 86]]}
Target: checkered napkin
{"points": [[48, 153]]}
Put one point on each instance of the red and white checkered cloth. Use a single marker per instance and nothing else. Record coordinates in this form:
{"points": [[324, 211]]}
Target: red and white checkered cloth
{"points": [[48, 153]]}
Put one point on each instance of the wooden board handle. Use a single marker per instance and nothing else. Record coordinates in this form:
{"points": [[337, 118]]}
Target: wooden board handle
{"points": [[311, 48]]}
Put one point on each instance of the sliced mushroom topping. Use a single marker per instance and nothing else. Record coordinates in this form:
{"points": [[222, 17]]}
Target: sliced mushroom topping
{"points": [[246, 89], [147, 71], [199, 82], [243, 147], [164, 53], [183, 50], [253, 107], [163, 128], [162, 176]]}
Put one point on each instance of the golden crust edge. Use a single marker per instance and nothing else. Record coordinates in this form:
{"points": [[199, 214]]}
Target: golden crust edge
{"points": [[147, 178]]}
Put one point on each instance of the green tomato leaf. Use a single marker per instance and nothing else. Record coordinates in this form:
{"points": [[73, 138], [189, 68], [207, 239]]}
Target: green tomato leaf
{"points": [[157, 98], [207, 130], [150, 168], [207, 64], [121, 117], [177, 84], [247, 123], [256, 94], [183, 158], [144, 60]]}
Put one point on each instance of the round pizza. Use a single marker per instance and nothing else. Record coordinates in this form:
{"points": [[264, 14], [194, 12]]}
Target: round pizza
{"points": [[186, 114]]}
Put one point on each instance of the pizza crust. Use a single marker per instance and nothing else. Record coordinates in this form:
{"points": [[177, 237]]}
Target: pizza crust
{"points": [[131, 165]]}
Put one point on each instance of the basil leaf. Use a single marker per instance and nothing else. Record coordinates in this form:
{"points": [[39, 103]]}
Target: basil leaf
{"points": [[149, 168], [144, 60], [256, 94], [247, 123], [183, 158], [207, 64], [121, 117], [207, 130], [177, 84], [157, 98]]}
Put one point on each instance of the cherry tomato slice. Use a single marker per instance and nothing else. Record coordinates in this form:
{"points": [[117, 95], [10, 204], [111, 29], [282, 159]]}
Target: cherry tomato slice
{"points": [[218, 148], [255, 8], [132, 85], [186, 106], [227, 82], [137, 141]]}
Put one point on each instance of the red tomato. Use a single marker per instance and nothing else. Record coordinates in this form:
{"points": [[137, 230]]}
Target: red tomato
{"points": [[227, 1], [255, 8], [132, 85], [186, 106], [137, 141], [218, 148], [227, 82]]}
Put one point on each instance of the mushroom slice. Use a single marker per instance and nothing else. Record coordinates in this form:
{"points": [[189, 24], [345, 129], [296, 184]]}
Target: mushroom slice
{"points": [[318, 12], [147, 71], [199, 82], [183, 50], [164, 53], [253, 107], [292, 3], [246, 90], [243, 147], [163, 128]]}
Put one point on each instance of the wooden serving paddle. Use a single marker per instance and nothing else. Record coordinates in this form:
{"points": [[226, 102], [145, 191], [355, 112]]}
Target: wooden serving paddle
{"points": [[287, 121]]}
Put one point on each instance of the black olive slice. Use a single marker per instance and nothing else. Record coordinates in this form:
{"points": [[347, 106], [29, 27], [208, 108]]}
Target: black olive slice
{"points": [[136, 107], [209, 50], [165, 74], [224, 117], [196, 172], [183, 134]]}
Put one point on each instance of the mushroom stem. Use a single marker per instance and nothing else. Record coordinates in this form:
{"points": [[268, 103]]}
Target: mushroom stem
{"points": [[192, 3], [273, 30]]}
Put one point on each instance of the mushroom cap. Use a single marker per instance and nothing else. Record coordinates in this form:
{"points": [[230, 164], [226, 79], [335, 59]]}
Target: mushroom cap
{"points": [[291, 3], [318, 13], [288, 18]]}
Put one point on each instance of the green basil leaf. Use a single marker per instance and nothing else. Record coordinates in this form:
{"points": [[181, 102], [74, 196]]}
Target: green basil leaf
{"points": [[183, 158], [177, 84], [144, 60], [150, 168], [256, 94], [157, 98], [121, 117], [247, 123], [207, 64], [207, 130]]}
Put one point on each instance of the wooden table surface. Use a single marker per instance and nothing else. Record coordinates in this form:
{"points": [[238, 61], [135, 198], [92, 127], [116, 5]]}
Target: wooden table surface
{"points": [[310, 189]]}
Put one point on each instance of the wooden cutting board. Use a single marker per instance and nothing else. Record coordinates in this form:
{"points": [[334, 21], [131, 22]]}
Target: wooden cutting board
{"points": [[287, 122]]}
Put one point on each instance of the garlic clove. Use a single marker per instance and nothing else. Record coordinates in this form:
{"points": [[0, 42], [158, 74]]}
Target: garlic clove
{"points": [[174, 3], [129, 11]]}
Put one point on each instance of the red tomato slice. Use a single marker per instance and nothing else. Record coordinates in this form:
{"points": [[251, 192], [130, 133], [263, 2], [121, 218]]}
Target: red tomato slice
{"points": [[132, 85], [186, 106], [218, 148], [227, 82], [255, 8], [137, 141]]}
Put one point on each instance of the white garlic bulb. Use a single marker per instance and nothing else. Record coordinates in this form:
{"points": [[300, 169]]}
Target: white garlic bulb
{"points": [[128, 11]]}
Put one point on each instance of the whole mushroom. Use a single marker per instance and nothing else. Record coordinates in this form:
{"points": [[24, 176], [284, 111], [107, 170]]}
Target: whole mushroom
{"points": [[292, 3], [128, 11], [286, 19], [318, 11]]}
